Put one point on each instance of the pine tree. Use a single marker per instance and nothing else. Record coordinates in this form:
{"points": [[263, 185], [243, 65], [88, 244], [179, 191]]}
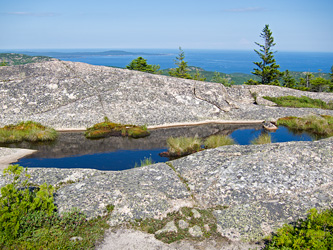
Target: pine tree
{"points": [[224, 80], [141, 64], [198, 76], [267, 68], [288, 80], [182, 70]]}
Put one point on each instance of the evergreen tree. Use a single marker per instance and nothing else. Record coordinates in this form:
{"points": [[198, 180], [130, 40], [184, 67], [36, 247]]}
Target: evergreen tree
{"points": [[198, 76], [304, 83], [319, 84], [218, 78], [288, 80], [182, 70], [141, 64], [267, 68]]}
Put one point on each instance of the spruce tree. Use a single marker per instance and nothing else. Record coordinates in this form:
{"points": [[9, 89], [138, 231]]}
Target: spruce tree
{"points": [[267, 69], [182, 70], [288, 80], [141, 64]]}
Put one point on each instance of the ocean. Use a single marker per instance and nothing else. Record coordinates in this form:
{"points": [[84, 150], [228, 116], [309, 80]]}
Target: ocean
{"points": [[224, 61]]}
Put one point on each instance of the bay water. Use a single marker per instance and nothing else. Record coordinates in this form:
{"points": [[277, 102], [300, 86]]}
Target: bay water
{"points": [[225, 61]]}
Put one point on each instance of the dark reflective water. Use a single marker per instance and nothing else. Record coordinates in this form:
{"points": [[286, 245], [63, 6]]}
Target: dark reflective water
{"points": [[73, 150], [245, 136]]}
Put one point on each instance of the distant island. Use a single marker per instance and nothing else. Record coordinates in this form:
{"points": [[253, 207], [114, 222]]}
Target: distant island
{"points": [[84, 54]]}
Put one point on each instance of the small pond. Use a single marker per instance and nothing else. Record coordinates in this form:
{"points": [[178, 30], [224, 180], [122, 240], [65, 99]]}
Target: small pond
{"points": [[73, 150]]}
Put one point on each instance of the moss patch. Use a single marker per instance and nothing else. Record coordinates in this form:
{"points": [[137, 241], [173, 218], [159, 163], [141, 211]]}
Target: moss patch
{"points": [[107, 129], [26, 131], [191, 217]]}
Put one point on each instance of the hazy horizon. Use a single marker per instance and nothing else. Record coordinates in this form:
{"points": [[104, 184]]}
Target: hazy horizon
{"points": [[147, 49], [299, 25]]}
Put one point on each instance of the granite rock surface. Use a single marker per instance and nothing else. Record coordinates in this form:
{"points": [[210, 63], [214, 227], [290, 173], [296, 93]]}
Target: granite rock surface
{"points": [[251, 189], [77, 95]]}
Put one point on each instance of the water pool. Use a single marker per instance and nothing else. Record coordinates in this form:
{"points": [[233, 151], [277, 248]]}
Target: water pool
{"points": [[73, 150]]}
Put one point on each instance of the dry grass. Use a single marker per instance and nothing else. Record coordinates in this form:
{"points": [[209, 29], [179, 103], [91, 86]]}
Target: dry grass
{"points": [[183, 145], [262, 139], [317, 125], [215, 141]]}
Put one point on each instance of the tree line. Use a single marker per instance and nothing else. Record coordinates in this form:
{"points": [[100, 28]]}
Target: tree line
{"points": [[269, 74], [267, 70]]}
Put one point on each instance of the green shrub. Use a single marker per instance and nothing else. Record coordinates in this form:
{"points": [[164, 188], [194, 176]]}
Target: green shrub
{"points": [[299, 102], [215, 141], [178, 146], [28, 219], [17, 200], [262, 139], [29, 131], [314, 232], [316, 125]]}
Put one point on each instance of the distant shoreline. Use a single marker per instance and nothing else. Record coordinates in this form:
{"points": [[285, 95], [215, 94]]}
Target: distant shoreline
{"points": [[225, 61]]}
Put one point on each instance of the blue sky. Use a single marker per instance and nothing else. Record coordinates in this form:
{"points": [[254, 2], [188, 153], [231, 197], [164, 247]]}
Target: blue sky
{"points": [[297, 25]]}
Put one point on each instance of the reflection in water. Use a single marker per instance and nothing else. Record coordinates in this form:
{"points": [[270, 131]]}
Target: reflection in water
{"points": [[73, 150]]}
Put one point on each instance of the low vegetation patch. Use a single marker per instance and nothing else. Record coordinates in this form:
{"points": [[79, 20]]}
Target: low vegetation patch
{"points": [[107, 129], [316, 125], [26, 131], [145, 162], [262, 139], [180, 146], [28, 218], [299, 102], [314, 232], [187, 223], [215, 141]]}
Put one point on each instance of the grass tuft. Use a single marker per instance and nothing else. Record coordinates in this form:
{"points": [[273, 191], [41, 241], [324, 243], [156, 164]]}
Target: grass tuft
{"points": [[262, 139], [145, 162], [28, 131], [316, 125], [299, 102], [215, 141], [179, 146]]}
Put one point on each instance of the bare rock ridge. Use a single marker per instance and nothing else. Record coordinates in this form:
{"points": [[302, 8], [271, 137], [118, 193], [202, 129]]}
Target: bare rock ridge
{"points": [[77, 95], [251, 190]]}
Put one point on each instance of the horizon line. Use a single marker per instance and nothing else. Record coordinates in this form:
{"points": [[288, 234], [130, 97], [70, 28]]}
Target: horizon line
{"points": [[117, 49]]}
